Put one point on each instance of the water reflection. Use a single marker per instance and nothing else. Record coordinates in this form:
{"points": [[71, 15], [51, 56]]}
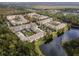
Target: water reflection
{"points": [[54, 48]]}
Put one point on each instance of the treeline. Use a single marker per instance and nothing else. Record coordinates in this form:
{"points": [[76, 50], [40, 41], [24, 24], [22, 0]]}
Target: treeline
{"points": [[9, 11], [72, 47], [71, 18]]}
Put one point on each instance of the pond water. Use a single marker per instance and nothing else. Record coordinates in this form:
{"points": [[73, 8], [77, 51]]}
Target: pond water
{"points": [[54, 48]]}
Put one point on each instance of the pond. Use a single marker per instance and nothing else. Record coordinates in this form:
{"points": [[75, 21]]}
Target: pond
{"points": [[54, 48]]}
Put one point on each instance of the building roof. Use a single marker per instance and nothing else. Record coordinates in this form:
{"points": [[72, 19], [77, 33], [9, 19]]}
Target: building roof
{"points": [[17, 19], [38, 32]]}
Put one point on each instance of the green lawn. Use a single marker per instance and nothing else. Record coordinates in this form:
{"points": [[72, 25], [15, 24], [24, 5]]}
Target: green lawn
{"points": [[29, 33]]}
